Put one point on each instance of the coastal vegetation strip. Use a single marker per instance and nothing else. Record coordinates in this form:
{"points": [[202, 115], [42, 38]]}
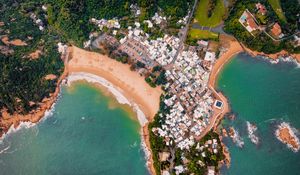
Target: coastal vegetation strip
{"points": [[210, 13]]}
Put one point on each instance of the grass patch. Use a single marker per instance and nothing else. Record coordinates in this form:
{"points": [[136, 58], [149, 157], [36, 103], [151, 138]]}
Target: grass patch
{"points": [[261, 18], [202, 34], [277, 8], [215, 19]]}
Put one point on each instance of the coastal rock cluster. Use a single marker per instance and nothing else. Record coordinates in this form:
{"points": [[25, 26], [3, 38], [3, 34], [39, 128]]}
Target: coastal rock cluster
{"points": [[285, 133], [252, 133]]}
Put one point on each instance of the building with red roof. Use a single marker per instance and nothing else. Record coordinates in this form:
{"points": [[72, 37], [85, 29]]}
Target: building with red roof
{"points": [[276, 30], [261, 8], [248, 21]]}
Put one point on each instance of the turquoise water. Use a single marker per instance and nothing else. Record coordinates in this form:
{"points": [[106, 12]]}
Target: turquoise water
{"points": [[83, 136], [265, 94]]}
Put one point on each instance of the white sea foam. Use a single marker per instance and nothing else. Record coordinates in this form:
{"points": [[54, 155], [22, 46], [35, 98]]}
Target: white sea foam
{"points": [[4, 149], [28, 124], [237, 139], [290, 60], [251, 133], [133, 145], [114, 90], [145, 149], [271, 120], [287, 59]]}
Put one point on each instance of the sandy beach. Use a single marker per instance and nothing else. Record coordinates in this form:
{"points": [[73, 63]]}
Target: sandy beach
{"points": [[129, 83], [232, 47]]}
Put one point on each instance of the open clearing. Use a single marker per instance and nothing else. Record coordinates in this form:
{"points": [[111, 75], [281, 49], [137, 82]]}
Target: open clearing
{"points": [[277, 8], [217, 16], [202, 34]]}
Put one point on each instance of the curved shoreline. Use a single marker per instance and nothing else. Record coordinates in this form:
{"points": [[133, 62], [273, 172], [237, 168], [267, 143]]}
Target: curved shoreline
{"points": [[94, 79], [91, 78], [233, 49], [129, 83], [10, 123]]}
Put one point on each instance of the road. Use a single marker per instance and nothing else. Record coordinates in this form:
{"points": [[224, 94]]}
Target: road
{"points": [[217, 29], [184, 35]]}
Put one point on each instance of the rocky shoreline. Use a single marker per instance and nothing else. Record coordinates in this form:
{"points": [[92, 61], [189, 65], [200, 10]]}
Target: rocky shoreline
{"points": [[13, 121]]}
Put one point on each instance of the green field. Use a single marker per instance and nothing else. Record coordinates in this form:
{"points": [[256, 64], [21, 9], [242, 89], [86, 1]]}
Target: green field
{"points": [[202, 34], [277, 8], [215, 19]]}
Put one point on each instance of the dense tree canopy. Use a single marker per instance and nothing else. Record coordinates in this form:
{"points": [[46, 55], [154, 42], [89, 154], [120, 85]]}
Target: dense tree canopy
{"points": [[261, 42], [22, 79]]}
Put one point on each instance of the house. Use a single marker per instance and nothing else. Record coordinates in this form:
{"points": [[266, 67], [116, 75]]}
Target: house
{"points": [[276, 30], [248, 21], [261, 8], [297, 40], [202, 43], [211, 170], [210, 56]]}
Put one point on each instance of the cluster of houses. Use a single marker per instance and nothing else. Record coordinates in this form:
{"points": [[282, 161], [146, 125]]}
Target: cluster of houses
{"points": [[158, 19], [252, 25], [135, 9], [37, 21], [112, 23], [150, 52], [190, 101]]}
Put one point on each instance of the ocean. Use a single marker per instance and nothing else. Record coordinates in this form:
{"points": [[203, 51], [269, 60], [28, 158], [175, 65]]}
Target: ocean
{"points": [[87, 133], [264, 94]]}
